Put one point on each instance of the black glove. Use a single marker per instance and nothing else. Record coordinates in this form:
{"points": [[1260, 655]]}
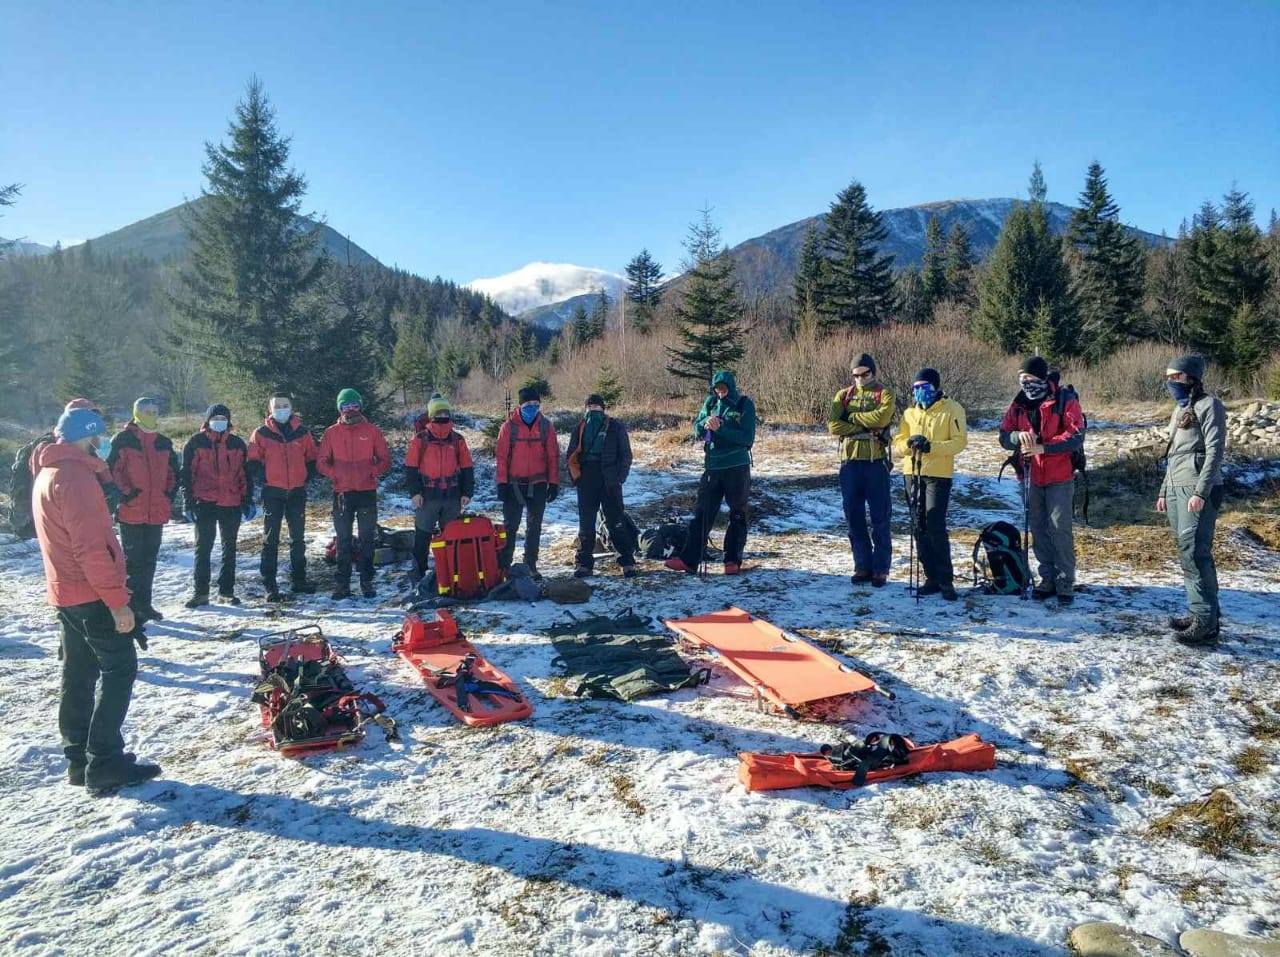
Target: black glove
{"points": [[140, 637], [504, 491], [552, 492], [918, 443]]}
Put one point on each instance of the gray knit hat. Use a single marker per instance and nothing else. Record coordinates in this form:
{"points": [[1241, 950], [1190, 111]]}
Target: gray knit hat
{"points": [[1192, 365]]}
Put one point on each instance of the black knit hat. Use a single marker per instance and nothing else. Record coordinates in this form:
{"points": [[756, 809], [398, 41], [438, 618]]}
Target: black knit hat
{"points": [[595, 398], [864, 361], [529, 394], [929, 375], [216, 409], [1192, 365], [1036, 366]]}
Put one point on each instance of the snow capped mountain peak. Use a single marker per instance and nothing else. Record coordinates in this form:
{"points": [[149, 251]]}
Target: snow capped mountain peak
{"points": [[540, 283]]}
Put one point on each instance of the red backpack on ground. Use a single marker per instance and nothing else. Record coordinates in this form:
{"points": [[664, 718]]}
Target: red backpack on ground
{"points": [[466, 557]]}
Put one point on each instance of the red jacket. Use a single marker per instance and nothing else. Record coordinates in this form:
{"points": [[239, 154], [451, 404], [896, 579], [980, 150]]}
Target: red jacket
{"points": [[215, 469], [145, 467], [437, 464], [528, 453], [353, 456], [83, 560], [1060, 431], [286, 454]]}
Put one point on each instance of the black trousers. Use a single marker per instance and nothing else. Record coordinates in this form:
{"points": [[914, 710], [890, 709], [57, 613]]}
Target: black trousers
{"points": [[524, 498], [731, 486], [594, 495], [934, 546], [141, 546], [280, 506], [90, 714], [222, 521], [358, 511]]}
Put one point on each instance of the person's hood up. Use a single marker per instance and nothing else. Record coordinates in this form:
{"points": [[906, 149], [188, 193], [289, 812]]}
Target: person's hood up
{"points": [[725, 377]]}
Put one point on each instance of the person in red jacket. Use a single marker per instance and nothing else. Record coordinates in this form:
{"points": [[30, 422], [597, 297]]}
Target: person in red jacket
{"points": [[217, 492], [1044, 426], [528, 463], [354, 456], [85, 580], [144, 466], [440, 474], [282, 457]]}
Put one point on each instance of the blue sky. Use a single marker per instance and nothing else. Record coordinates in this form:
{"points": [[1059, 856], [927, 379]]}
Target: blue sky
{"points": [[465, 139]]}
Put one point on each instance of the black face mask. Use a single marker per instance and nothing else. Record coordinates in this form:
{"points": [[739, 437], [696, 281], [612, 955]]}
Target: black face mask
{"points": [[1034, 389]]}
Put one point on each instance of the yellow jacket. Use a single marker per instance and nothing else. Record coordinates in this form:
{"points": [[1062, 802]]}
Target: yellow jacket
{"points": [[860, 416], [944, 426]]}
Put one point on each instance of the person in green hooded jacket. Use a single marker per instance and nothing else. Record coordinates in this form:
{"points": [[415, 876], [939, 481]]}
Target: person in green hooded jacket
{"points": [[726, 424]]}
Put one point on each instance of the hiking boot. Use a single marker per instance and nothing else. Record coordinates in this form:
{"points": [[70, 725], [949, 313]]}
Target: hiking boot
{"points": [[117, 774], [733, 568], [195, 601], [948, 592], [928, 588], [860, 578], [879, 581], [582, 571], [367, 589], [678, 565], [1043, 591], [228, 599], [1180, 622], [75, 769], [341, 591], [630, 571], [273, 596], [149, 614], [1200, 634], [303, 588]]}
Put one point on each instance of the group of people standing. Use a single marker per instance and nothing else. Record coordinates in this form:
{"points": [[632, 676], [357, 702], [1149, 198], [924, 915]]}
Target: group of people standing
{"points": [[103, 588]]}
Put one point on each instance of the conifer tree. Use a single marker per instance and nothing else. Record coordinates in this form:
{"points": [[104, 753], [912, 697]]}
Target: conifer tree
{"points": [[412, 368], [1109, 270], [959, 266], [1037, 191], [599, 315], [83, 373], [710, 311], [1025, 280], [580, 324], [807, 285], [933, 271], [1168, 293], [644, 274], [857, 282], [912, 296], [8, 196], [608, 386]]}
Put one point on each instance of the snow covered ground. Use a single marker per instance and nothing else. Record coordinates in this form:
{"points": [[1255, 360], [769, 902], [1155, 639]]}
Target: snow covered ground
{"points": [[604, 828]]}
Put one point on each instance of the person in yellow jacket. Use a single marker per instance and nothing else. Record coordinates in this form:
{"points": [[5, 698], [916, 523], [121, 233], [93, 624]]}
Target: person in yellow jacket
{"points": [[932, 433], [860, 417]]}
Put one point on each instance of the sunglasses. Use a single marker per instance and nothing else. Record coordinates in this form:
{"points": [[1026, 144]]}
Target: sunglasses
{"points": [[350, 407]]}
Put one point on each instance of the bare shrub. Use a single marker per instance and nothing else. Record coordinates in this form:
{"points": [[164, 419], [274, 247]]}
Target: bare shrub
{"points": [[1132, 374]]}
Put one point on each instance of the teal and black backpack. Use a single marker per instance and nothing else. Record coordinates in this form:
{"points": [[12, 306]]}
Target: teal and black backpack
{"points": [[999, 566]]}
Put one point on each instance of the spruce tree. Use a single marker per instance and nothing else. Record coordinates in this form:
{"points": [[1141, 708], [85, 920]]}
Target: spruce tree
{"points": [[913, 298], [959, 266], [933, 272], [1109, 270], [580, 324], [1025, 280], [1037, 191], [857, 282], [83, 372], [644, 274], [256, 298], [8, 196], [807, 285], [599, 315], [710, 311], [412, 368], [1168, 293], [608, 386]]}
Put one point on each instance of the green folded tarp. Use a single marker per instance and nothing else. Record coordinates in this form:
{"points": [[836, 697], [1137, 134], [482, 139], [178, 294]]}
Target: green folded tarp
{"points": [[619, 658]]}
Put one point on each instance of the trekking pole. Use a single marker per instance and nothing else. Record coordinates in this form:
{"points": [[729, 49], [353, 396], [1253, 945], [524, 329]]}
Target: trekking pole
{"points": [[1026, 533], [914, 572]]}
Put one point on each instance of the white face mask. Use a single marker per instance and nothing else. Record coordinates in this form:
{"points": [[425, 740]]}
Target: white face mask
{"points": [[218, 425], [282, 415]]}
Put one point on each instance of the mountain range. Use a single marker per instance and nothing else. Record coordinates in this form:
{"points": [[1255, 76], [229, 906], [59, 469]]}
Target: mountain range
{"points": [[547, 293]]}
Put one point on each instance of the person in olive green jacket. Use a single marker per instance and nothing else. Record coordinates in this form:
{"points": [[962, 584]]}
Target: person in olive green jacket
{"points": [[860, 417], [726, 424], [930, 436]]}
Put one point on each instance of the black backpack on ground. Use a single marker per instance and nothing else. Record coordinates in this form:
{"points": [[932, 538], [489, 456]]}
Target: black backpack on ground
{"points": [[663, 541], [878, 751], [999, 566]]}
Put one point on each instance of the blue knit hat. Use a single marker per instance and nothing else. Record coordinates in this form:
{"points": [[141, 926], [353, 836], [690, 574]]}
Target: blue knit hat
{"points": [[80, 424]]}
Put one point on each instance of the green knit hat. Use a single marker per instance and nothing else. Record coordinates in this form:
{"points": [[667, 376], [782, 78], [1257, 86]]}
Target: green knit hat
{"points": [[438, 405], [349, 396]]}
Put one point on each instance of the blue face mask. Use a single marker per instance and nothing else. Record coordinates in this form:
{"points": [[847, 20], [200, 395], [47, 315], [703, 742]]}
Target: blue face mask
{"points": [[925, 394], [104, 447], [219, 425], [1180, 391], [282, 415], [528, 413]]}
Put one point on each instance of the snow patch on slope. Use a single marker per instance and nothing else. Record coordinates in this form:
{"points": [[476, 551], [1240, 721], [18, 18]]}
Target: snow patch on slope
{"points": [[540, 283]]}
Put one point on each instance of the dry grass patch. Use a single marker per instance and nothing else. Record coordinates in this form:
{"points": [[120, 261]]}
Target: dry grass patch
{"points": [[1216, 825], [1251, 760], [624, 790], [1265, 724]]}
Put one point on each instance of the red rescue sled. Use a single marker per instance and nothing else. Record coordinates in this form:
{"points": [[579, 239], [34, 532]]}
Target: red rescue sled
{"points": [[457, 675], [307, 701], [770, 772], [779, 667]]}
